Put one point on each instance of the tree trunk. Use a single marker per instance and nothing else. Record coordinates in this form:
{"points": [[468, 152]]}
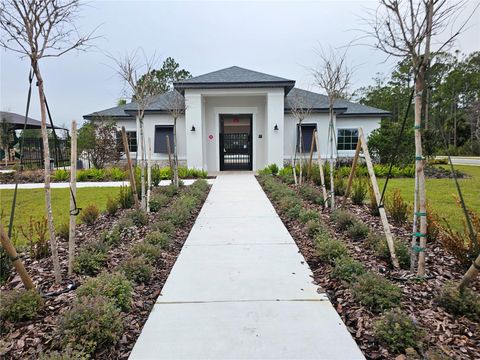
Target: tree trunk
{"points": [[175, 154], [300, 146], [46, 173], [332, 182], [73, 194], [142, 165], [149, 173]]}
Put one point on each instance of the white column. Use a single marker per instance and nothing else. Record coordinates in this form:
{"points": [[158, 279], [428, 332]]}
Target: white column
{"points": [[194, 139], [275, 119]]}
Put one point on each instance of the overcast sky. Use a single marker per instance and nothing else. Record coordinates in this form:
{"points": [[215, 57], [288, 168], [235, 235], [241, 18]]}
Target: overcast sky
{"points": [[277, 38]]}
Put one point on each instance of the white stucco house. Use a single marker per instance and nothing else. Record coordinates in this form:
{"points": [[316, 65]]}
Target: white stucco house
{"points": [[239, 119]]}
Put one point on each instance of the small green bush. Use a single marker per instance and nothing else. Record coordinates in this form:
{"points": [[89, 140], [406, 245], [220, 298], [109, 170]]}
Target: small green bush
{"points": [[61, 175], [18, 305], [358, 231], [137, 269], [151, 252], [114, 286], [89, 214], [293, 212], [376, 293], [91, 323], [347, 269], [329, 249], [138, 216], [124, 223], [91, 258], [397, 208], [397, 331], [158, 201], [163, 226], [287, 202], [125, 197], [5, 265], [63, 230], [112, 206], [343, 219], [379, 244], [307, 215], [340, 186], [309, 193], [111, 237], [359, 191], [314, 227], [158, 238], [116, 174], [465, 303], [169, 190]]}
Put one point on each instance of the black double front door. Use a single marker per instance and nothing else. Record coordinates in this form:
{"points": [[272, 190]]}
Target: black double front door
{"points": [[236, 142]]}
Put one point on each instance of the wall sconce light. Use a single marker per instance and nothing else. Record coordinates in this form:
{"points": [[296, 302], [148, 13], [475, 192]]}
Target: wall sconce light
{"points": [[275, 127], [193, 128]]}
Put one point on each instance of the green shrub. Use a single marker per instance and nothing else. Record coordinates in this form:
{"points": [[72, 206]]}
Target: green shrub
{"points": [[112, 206], [397, 208], [151, 252], [82, 176], [5, 265], [465, 303], [138, 216], [379, 244], [116, 174], [124, 223], [314, 227], [359, 191], [329, 249], [340, 186], [286, 202], [180, 210], [293, 212], [158, 238], [286, 175], [158, 201], [18, 305], [163, 226], [63, 230], [125, 197], [397, 331], [347, 269], [91, 258], [111, 237], [89, 214], [169, 190], [343, 219], [358, 231], [137, 269], [307, 215], [61, 175], [91, 323], [114, 286], [311, 194], [376, 293]]}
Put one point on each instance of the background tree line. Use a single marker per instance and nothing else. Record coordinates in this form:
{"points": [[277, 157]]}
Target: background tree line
{"points": [[451, 107]]}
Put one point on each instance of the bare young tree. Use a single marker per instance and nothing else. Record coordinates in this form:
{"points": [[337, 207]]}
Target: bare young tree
{"points": [[38, 29], [142, 87], [176, 107], [301, 109], [332, 75], [408, 29]]}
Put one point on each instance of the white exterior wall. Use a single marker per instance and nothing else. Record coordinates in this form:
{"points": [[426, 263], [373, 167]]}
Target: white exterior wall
{"points": [[321, 120], [149, 123]]}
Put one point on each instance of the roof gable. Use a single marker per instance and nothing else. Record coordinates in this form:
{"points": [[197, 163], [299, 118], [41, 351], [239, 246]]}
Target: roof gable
{"points": [[234, 77]]}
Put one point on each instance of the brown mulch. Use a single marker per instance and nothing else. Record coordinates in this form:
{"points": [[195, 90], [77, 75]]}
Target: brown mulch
{"points": [[448, 335], [30, 338]]}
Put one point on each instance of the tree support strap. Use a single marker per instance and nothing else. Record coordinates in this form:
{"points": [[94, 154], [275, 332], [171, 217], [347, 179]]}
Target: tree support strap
{"points": [[419, 234], [419, 157], [417, 213], [417, 127], [418, 249]]}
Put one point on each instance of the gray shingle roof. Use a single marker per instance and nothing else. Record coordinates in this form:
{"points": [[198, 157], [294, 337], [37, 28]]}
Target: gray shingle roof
{"points": [[319, 102], [234, 76], [117, 112], [18, 121]]}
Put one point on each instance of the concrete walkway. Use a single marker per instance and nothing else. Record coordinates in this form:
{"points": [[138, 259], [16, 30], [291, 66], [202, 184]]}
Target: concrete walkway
{"points": [[240, 289]]}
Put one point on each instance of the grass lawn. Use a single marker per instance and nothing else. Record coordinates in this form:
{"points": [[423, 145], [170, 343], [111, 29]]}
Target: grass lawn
{"points": [[31, 202], [440, 194]]}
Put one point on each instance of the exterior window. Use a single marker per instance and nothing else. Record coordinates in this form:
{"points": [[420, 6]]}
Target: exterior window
{"points": [[347, 139], [307, 137], [131, 139], [161, 133]]}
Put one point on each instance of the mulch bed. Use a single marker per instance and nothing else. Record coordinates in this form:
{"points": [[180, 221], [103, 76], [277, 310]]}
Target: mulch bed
{"points": [[447, 336], [30, 338]]}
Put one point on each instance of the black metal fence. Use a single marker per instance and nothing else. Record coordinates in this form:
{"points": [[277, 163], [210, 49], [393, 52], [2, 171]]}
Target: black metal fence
{"points": [[32, 150]]}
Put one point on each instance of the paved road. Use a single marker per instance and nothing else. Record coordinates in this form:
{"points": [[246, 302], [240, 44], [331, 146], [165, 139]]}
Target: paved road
{"points": [[458, 160], [240, 289]]}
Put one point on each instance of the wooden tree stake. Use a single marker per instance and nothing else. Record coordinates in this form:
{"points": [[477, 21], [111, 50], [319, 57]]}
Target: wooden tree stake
{"points": [[16, 262], [352, 173], [131, 173], [320, 166], [471, 274], [170, 158], [381, 209], [149, 173], [73, 194], [312, 146]]}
